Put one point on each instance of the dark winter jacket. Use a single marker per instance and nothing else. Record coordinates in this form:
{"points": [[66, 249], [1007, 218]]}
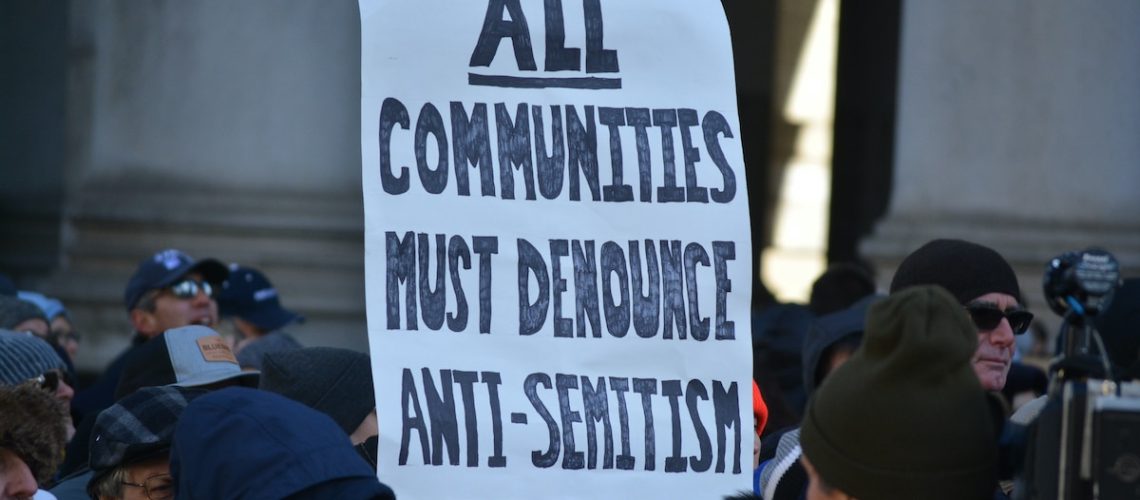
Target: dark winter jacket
{"points": [[250, 444], [777, 341], [828, 330], [783, 477], [101, 394]]}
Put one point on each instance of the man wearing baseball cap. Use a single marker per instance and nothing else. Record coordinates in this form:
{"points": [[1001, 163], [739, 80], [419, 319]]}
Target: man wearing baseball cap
{"points": [[188, 356], [168, 289], [191, 356], [251, 301]]}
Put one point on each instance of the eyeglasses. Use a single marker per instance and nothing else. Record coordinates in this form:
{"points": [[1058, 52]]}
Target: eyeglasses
{"points": [[188, 288], [60, 336], [48, 381], [988, 317], [157, 487]]}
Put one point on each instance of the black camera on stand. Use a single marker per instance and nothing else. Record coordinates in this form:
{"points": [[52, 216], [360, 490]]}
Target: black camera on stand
{"points": [[1085, 443]]}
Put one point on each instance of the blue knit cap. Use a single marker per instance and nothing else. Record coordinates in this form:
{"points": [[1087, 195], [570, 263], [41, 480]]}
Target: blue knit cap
{"points": [[52, 308], [24, 356]]}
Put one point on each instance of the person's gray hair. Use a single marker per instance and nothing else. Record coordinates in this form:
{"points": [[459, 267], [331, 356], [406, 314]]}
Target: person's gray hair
{"points": [[109, 485]]}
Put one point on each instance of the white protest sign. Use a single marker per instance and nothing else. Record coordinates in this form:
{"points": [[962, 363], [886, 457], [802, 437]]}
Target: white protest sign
{"points": [[558, 259]]}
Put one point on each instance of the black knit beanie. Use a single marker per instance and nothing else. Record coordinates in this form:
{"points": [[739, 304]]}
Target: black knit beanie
{"points": [[967, 270], [906, 417], [336, 382]]}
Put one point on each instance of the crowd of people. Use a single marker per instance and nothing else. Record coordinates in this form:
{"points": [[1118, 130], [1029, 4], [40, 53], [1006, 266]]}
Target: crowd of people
{"points": [[184, 411], [859, 394], [914, 393]]}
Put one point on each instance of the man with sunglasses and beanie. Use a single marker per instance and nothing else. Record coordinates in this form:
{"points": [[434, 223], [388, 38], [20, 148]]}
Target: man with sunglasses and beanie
{"points": [[26, 359], [168, 289], [985, 285]]}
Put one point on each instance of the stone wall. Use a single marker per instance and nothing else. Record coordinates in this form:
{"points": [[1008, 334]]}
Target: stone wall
{"points": [[225, 129], [1018, 128]]}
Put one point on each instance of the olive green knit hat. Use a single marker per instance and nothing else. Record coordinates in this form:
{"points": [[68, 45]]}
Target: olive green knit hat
{"points": [[906, 417]]}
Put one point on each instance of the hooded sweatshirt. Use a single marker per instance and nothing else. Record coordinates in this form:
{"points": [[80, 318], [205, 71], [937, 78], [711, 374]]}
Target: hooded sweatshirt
{"points": [[783, 477], [250, 444], [829, 330]]}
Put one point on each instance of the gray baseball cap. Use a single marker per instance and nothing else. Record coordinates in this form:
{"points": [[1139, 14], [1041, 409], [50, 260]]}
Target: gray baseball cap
{"points": [[188, 356]]}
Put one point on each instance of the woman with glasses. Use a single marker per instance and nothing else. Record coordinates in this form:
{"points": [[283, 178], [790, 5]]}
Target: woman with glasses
{"points": [[130, 449]]}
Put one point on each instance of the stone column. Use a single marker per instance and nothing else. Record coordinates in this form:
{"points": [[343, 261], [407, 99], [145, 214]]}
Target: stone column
{"points": [[225, 129], [1019, 128]]}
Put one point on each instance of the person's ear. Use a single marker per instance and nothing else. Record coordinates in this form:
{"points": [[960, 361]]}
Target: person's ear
{"points": [[144, 322]]}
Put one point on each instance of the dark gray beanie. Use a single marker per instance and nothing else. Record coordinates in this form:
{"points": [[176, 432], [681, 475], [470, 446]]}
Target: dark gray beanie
{"points": [[967, 270], [336, 382], [24, 356], [14, 311]]}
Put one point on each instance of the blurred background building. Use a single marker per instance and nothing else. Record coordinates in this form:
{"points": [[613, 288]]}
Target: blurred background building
{"points": [[231, 130]]}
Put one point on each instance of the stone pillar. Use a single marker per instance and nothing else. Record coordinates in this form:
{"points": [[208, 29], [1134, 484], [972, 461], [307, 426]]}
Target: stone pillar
{"points": [[225, 129], [1019, 128]]}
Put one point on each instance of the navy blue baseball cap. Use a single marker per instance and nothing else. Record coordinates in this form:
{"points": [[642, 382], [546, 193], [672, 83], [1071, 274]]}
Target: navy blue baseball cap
{"points": [[248, 294], [164, 268]]}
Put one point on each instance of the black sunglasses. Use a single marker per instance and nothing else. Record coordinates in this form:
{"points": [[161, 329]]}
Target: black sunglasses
{"points": [[188, 288], [988, 317], [48, 381]]}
